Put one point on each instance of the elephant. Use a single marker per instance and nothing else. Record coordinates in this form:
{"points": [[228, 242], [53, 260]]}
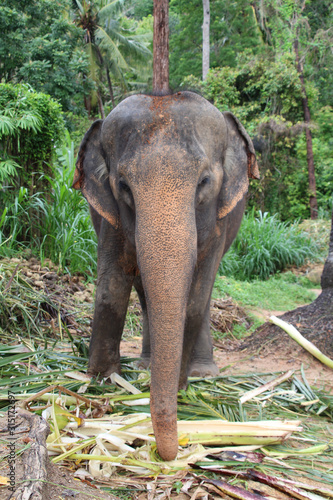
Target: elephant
{"points": [[166, 179]]}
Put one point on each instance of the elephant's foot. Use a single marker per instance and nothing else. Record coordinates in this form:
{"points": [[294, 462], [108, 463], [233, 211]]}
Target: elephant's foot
{"points": [[143, 363], [203, 369], [94, 370]]}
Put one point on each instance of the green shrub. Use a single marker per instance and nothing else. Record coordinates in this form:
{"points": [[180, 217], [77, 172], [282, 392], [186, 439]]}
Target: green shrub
{"points": [[265, 245], [16, 223], [54, 223], [31, 124]]}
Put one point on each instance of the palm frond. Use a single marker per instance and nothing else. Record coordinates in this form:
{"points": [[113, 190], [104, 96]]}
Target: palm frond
{"points": [[80, 7], [30, 121], [111, 9], [107, 43], [134, 45], [8, 169], [7, 125]]}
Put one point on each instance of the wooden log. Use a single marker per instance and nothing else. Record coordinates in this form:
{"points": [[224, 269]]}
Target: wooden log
{"points": [[35, 459]]}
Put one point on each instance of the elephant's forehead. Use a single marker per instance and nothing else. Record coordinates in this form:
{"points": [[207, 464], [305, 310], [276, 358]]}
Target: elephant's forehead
{"points": [[150, 114], [184, 120], [163, 104]]}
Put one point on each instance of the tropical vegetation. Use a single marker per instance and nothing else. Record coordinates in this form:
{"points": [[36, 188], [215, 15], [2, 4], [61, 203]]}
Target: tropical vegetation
{"points": [[66, 63]]}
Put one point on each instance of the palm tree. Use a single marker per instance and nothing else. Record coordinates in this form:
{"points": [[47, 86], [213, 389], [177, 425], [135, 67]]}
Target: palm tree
{"points": [[113, 49]]}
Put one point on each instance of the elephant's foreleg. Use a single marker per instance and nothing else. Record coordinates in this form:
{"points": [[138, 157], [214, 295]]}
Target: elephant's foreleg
{"points": [[197, 359], [112, 295], [201, 362], [145, 353]]}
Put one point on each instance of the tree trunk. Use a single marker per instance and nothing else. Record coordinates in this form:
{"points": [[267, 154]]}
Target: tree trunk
{"points": [[309, 149], [205, 38], [35, 459], [161, 48], [327, 276], [110, 86], [87, 104]]}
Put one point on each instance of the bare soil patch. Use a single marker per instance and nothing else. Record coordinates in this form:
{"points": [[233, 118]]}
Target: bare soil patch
{"points": [[269, 349]]}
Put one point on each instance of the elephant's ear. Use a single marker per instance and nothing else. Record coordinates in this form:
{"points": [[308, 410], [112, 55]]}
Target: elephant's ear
{"points": [[92, 177], [240, 164]]}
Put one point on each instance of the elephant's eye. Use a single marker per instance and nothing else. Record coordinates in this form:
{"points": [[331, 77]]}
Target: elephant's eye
{"points": [[202, 190], [125, 193], [124, 187], [204, 181]]}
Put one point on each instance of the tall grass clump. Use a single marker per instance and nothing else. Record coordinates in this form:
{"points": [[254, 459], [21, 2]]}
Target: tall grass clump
{"points": [[15, 224], [265, 245], [67, 235]]}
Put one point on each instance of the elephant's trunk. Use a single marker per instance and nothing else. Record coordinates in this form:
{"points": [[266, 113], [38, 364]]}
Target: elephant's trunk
{"points": [[166, 248]]}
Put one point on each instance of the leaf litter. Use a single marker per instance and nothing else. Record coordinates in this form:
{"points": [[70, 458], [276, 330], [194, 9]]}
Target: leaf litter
{"points": [[238, 434]]}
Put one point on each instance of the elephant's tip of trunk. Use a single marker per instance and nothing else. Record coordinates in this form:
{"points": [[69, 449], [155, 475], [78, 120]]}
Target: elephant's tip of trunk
{"points": [[167, 451], [165, 430]]}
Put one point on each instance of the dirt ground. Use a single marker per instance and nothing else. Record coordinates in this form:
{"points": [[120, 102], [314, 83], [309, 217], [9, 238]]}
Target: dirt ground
{"points": [[269, 349], [275, 355]]}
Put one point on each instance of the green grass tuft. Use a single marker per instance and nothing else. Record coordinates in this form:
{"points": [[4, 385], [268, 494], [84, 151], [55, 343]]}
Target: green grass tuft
{"points": [[276, 293]]}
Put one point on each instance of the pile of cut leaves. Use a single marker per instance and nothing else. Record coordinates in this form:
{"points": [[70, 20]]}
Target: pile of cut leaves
{"points": [[264, 435]]}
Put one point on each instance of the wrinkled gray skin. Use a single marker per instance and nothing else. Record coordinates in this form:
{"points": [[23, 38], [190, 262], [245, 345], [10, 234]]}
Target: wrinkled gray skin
{"points": [[166, 179]]}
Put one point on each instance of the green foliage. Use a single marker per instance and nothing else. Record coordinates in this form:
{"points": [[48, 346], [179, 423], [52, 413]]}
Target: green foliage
{"points": [[118, 49], [264, 246], [255, 90], [283, 187], [12, 26], [232, 30], [143, 8], [16, 223], [322, 143], [66, 232], [40, 45], [30, 126]]}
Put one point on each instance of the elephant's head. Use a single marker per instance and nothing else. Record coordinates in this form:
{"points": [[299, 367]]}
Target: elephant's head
{"points": [[167, 172]]}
